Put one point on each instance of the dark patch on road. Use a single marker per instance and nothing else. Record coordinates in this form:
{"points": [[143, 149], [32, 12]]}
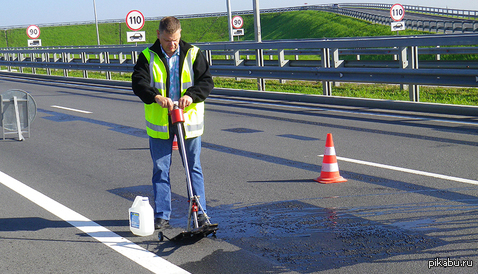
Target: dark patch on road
{"points": [[307, 239]]}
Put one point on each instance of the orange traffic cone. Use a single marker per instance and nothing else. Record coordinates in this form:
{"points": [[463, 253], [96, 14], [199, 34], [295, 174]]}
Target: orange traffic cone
{"points": [[330, 168], [175, 143]]}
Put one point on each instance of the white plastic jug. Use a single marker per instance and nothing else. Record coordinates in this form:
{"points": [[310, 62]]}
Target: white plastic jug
{"points": [[141, 217]]}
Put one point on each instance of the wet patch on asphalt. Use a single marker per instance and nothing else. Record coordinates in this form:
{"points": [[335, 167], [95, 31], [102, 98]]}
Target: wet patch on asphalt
{"points": [[306, 238]]}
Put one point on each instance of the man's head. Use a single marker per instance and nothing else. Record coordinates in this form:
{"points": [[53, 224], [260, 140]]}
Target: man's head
{"points": [[169, 34]]}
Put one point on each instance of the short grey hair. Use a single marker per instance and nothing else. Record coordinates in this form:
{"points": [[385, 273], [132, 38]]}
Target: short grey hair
{"points": [[169, 24]]}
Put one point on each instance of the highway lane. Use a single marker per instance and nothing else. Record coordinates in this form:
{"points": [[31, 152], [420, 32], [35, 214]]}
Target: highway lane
{"points": [[260, 159]]}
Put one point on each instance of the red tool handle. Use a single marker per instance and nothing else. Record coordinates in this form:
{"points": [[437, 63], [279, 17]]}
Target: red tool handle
{"points": [[177, 115]]}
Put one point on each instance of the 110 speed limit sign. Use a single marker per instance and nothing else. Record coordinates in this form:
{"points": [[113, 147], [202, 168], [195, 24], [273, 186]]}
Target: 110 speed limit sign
{"points": [[135, 20], [33, 32], [397, 12]]}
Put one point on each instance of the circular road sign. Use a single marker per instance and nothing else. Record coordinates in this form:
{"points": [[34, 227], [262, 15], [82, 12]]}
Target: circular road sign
{"points": [[397, 12], [135, 20], [237, 22], [33, 32]]}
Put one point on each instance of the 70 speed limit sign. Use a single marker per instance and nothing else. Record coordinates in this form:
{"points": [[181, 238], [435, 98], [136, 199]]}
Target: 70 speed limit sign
{"points": [[397, 12]]}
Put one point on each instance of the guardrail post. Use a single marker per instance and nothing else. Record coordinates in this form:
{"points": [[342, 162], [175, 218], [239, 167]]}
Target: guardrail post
{"points": [[208, 55], [121, 59], [282, 62], [84, 59], [21, 57], [327, 87], [409, 60], [64, 59], [107, 61], [403, 59], [336, 62], [134, 57], [260, 63], [6, 56], [237, 58], [238, 61], [33, 58], [46, 58], [413, 64]]}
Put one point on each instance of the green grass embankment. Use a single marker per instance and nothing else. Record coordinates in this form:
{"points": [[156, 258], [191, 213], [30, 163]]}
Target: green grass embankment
{"points": [[275, 26]]}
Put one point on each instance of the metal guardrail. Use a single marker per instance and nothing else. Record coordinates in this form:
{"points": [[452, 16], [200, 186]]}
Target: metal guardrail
{"points": [[444, 25], [465, 14], [313, 60]]}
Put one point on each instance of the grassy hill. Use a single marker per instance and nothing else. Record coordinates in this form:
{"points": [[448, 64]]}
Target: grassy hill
{"points": [[275, 26]]}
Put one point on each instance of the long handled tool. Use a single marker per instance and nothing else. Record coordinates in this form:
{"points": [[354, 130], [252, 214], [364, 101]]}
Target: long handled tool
{"points": [[177, 118]]}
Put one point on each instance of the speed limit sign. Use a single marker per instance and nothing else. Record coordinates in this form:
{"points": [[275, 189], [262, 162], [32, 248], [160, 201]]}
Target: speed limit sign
{"points": [[397, 12], [33, 32], [237, 22], [135, 20]]}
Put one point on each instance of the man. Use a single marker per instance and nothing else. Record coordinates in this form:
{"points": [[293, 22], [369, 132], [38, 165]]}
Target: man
{"points": [[171, 71]]}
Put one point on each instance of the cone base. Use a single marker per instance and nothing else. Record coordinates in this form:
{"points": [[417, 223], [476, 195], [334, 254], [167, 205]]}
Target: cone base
{"points": [[339, 179]]}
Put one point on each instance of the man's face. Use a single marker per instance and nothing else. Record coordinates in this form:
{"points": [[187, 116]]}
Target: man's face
{"points": [[169, 41]]}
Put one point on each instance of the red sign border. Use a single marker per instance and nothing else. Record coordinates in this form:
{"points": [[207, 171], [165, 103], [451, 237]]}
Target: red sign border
{"points": [[402, 15], [233, 21], [142, 25], [39, 32]]}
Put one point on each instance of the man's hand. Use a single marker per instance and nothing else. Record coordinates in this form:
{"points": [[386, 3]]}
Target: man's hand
{"points": [[185, 102], [164, 102]]}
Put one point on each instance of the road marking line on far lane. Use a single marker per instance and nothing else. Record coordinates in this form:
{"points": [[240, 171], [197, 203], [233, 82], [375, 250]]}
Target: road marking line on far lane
{"points": [[121, 245], [72, 109], [418, 172]]}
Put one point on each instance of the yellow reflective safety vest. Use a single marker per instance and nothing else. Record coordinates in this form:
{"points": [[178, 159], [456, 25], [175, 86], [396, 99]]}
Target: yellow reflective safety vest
{"points": [[157, 122]]}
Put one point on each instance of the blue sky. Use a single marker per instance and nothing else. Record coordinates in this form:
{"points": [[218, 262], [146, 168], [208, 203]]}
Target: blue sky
{"points": [[37, 12]]}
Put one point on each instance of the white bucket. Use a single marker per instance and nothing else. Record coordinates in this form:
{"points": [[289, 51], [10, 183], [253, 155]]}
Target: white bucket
{"points": [[141, 217]]}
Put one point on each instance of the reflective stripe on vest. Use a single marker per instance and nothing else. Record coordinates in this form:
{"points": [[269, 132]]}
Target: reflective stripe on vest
{"points": [[157, 124]]}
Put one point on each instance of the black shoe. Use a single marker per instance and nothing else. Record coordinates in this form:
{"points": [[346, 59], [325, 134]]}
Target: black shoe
{"points": [[161, 223], [202, 220]]}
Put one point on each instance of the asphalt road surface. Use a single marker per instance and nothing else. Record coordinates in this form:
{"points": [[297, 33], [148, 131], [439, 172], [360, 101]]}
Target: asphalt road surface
{"points": [[409, 206]]}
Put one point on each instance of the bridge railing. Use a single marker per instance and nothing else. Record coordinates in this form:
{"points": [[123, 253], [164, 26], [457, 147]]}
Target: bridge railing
{"points": [[445, 25], [457, 13], [407, 60]]}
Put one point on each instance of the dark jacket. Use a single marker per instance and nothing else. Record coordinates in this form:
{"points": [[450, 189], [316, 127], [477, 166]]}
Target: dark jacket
{"points": [[141, 78]]}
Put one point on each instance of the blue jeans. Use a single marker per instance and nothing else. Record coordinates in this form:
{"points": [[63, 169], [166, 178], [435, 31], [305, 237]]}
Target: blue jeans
{"points": [[161, 151]]}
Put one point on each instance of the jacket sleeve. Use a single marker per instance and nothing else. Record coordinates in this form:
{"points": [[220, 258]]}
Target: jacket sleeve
{"points": [[141, 81], [203, 83]]}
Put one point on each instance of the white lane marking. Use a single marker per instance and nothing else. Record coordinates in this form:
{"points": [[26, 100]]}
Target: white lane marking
{"points": [[121, 245], [418, 172], [72, 109]]}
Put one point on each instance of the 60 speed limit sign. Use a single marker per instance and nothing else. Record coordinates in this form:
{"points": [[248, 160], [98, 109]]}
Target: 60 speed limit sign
{"points": [[33, 32], [397, 12], [135, 20]]}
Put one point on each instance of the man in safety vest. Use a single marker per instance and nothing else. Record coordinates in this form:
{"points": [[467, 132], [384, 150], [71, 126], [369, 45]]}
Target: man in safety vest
{"points": [[171, 71]]}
